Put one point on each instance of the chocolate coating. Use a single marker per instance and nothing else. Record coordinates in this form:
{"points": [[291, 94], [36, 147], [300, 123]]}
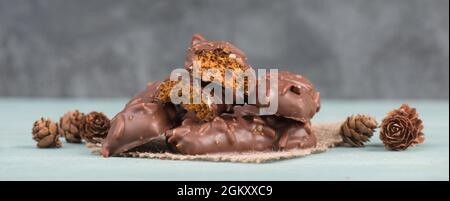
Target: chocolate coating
{"points": [[245, 110], [297, 97], [149, 95], [222, 134], [139, 122], [222, 127], [199, 43], [292, 134]]}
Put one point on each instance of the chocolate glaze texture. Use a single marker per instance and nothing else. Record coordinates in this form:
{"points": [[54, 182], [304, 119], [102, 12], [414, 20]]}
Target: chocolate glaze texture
{"points": [[138, 123], [292, 134], [297, 97], [146, 96], [222, 134], [199, 43]]}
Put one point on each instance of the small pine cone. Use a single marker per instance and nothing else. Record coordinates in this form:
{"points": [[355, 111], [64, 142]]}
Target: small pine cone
{"points": [[402, 128], [96, 127], [45, 132], [356, 130], [71, 125]]}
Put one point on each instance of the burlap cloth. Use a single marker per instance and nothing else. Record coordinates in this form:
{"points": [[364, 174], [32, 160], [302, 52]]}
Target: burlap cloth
{"points": [[328, 135]]}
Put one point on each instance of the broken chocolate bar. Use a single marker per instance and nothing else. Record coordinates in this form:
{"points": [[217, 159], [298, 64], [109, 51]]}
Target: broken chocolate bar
{"points": [[139, 122], [297, 97], [217, 57]]}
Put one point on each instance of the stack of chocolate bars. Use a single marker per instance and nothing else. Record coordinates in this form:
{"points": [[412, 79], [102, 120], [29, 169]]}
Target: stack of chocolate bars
{"points": [[194, 128]]}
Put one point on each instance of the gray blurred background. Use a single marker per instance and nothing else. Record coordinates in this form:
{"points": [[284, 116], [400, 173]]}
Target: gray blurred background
{"points": [[396, 49]]}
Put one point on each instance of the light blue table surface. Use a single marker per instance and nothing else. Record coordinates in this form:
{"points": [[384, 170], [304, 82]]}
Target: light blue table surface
{"points": [[21, 160]]}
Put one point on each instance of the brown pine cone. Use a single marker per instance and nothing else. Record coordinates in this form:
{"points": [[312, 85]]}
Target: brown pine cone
{"points": [[45, 132], [96, 126], [402, 128], [356, 130], [71, 125]]}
